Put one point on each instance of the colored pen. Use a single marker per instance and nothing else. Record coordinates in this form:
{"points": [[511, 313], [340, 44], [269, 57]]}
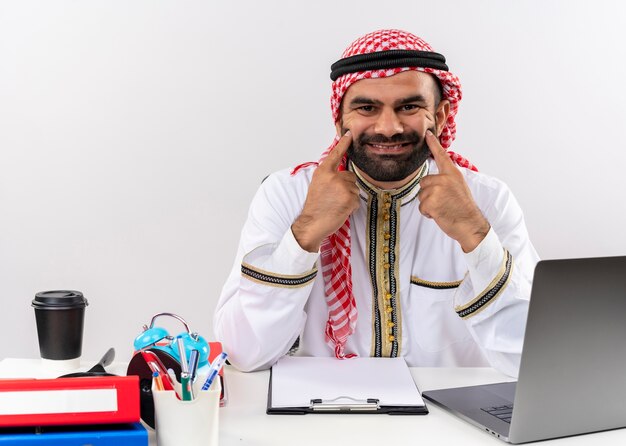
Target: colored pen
{"points": [[167, 385], [193, 364], [215, 368], [184, 365], [185, 383], [158, 382], [155, 365]]}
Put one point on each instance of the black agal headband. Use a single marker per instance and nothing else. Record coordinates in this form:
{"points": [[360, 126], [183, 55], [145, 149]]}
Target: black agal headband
{"points": [[381, 60]]}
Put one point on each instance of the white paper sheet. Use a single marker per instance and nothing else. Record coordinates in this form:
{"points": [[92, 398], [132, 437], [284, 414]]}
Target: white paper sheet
{"points": [[297, 379]]}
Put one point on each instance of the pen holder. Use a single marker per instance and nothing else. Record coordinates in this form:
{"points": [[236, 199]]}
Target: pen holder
{"points": [[189, 423]]}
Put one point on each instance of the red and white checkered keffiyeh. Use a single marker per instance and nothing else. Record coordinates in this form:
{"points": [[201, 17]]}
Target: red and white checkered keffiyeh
{"points": [[335, 249]]}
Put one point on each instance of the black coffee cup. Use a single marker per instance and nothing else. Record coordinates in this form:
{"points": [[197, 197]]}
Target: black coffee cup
{"points": [[60, 316]]}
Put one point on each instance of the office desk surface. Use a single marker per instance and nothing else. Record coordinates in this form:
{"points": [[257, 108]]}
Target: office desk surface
{"points": [[244, 422]]}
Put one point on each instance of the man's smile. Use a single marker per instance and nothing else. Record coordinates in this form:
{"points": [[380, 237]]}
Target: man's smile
{"points": [[389, 148]]}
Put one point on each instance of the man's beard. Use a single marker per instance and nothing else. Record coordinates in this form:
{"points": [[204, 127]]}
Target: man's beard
{"points": [[392, 167]]}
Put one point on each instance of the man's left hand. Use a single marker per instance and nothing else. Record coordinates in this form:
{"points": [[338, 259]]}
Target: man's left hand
{"points": [[446, 198]]}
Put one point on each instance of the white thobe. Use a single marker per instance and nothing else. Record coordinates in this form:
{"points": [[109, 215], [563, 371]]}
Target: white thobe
{"points": [[418, 295]]}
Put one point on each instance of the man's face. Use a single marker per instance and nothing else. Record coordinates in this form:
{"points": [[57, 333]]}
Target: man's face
{"points": [[388, 118]]}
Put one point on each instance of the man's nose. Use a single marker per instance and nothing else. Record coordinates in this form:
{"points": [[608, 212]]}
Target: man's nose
{"points": [[388, 123]]}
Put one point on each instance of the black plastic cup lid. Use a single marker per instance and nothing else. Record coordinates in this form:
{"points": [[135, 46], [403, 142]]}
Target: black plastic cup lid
{"points": [[59, 300]]}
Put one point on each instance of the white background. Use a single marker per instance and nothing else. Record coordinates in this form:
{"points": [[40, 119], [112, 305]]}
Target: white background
{"points": [[133, 135]]}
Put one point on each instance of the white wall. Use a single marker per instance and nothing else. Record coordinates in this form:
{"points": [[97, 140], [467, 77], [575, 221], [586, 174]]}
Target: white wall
{"points": [[133, 135]]}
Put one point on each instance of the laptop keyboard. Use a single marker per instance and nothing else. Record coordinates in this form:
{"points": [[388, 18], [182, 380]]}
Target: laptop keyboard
{"points": [[502, 412]]}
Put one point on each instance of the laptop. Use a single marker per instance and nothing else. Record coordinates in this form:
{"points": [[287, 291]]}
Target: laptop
{"points": [[572, 377]]}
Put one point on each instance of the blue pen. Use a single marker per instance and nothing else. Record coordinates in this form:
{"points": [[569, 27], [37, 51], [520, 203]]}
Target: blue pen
{"points": [[215, 368], [193, 364]]}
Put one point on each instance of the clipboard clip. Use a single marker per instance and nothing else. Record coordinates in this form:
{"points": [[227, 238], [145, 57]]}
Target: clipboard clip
{"points": [[344, 404]]}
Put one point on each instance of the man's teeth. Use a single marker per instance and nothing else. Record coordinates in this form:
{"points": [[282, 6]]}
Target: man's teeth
{"points": [[380, 146]]}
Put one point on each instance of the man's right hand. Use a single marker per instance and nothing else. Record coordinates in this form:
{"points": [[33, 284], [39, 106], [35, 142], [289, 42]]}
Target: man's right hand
{"points": [[333, 195]]}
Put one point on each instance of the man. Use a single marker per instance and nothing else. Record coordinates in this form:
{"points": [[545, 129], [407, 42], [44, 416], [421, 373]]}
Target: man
{"points": [[386, 247]]}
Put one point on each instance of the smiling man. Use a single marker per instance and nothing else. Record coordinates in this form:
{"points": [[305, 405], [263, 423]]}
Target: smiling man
{"points": [[390, 245]]}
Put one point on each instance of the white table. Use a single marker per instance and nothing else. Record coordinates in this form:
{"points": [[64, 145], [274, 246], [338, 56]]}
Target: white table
{"points": [[243, 421]]}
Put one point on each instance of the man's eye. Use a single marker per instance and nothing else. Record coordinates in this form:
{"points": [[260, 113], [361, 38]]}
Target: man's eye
{"points": [[366, 108], [409, 107]]}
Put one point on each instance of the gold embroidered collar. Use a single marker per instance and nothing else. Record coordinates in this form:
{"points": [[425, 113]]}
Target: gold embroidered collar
{"points": [[404, 193]]}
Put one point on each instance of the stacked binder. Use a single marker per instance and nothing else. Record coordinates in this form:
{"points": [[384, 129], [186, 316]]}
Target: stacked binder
{"points": [[98, 411]]}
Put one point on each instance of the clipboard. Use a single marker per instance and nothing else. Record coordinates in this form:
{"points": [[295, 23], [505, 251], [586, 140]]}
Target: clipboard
{"points": [[302, 385]]}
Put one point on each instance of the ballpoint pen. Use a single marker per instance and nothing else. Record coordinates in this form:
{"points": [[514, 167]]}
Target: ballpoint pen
{"points": [[185, 377], [185, 384], [215, 368], [155, 365], [193, 364], [158, 382], [165, 381], [184, 365]]}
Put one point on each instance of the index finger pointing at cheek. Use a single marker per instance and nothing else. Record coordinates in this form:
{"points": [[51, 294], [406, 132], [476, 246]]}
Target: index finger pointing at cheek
{"points": [[440, 154], [333, 160]]}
